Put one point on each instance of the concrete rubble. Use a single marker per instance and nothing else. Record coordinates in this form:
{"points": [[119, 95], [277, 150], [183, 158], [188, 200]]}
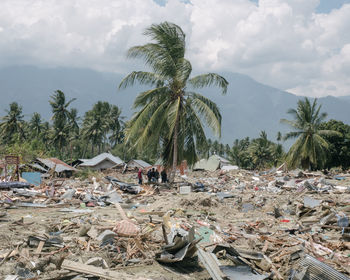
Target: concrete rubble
{"points": [[224, 224]]}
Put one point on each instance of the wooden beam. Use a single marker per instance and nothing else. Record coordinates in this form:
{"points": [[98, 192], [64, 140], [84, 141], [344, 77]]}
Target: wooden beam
{"points": [[95, 271]]}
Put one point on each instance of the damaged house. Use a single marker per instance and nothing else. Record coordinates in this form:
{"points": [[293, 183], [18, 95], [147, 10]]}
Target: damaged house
{"points": [[101, 162]]}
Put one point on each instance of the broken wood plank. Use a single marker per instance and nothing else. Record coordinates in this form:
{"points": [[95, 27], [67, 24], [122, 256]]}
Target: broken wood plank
{"points": [[95, 271], [40, 247], [156, 213]]}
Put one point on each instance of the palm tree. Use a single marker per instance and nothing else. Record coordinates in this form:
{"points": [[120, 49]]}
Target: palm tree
{"points": [[60, 118], [116, 125], [261, 150], [227, 149], [12, 124], [239, 153], [215, 147], [35, 125], [60, 107], [209, 147], [73, 121], [96, 124], [309, 150], [170, 115]]}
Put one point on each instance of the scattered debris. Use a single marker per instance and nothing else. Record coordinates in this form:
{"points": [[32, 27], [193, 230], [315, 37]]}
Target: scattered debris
{"points": [[230, 224]]}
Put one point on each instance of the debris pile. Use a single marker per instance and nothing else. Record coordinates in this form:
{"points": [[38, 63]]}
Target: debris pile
{"points": [[224, 224]]}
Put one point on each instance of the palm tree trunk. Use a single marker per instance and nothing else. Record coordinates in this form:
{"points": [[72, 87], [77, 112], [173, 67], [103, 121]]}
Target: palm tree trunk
{"points": [[175, 150]]}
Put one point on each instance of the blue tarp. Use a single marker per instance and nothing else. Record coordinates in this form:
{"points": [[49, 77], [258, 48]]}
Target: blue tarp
{"points": [[32, 177]]}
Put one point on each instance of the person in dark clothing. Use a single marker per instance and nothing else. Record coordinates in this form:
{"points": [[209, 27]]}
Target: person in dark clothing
{"points": [[156, 175], [149, 175], [153, 175], [164, 176]]}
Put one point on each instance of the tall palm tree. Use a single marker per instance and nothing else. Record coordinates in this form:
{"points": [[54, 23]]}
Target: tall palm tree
{"points": [[215, 147], [96, 124], [60, 117], [12, 124], [170, 115], [227, 149], [310, 148], [116, 125], [261, 150], [73, 121], [35, 125], [60, 107]]}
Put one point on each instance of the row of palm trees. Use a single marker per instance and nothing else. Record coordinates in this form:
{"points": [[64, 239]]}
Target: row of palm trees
{"points": [[67, 135]]}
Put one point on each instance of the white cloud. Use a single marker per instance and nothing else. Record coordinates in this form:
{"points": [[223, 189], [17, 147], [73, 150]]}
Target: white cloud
{"points": [[283, 43]]}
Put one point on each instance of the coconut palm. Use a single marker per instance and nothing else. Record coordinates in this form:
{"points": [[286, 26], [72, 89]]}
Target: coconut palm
{"points": [[116, 125], [12, 125], [239, 153], [261, 150], [35, 125], [96, 124], [170, 115], [310, 148], [60, 117], [60, 107]]}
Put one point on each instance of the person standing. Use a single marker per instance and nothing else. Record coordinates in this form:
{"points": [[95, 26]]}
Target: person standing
{"points": [[164, 176], [156, 175], [139, 176], [149, 175], [153, 175]]}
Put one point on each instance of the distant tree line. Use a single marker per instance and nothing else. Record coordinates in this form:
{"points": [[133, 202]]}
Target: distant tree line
{"points": [[65, 135], [68, 136]]}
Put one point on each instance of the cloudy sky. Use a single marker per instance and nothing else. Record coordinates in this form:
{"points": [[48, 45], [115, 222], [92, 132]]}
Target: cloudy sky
{"points": [[302, 46]]}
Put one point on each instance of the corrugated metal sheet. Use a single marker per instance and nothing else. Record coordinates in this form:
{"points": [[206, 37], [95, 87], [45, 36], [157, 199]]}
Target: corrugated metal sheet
{"points": [[317, 270], [59, 165], [101, 157], [211, 264], [138, 163], [38, 167]]}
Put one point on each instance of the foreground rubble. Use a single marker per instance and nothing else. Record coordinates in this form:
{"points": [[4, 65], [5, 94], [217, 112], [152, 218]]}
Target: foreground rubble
{"points": [[209, 225]]}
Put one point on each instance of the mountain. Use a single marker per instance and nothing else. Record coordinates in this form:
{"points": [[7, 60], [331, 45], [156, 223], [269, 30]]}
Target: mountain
{"points": [[247, 108], [346, 98]]}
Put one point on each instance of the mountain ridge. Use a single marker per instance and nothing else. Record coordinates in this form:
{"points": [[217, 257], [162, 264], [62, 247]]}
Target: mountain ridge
{"points": [[247, 108]]}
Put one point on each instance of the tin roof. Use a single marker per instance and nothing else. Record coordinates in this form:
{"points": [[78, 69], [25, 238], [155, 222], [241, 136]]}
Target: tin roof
{"points": [[101, 157], [140, 162], [59, 165]]}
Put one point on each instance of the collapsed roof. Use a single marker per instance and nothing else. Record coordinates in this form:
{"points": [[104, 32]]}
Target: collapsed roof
{"points": [[213, 163], [97, 161], [59, 165]]}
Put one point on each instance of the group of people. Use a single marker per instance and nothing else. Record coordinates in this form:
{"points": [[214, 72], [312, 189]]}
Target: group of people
{"points": [[153, 175]]}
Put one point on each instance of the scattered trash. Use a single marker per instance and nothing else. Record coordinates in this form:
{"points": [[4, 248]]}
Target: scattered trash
{"points": [[230, 224]]}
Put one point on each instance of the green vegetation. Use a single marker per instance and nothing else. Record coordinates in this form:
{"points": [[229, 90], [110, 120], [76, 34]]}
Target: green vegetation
{"points": [[339, 145], [311, 147], [66, 136], [259, 153], [101, 129], [170, 117]]}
